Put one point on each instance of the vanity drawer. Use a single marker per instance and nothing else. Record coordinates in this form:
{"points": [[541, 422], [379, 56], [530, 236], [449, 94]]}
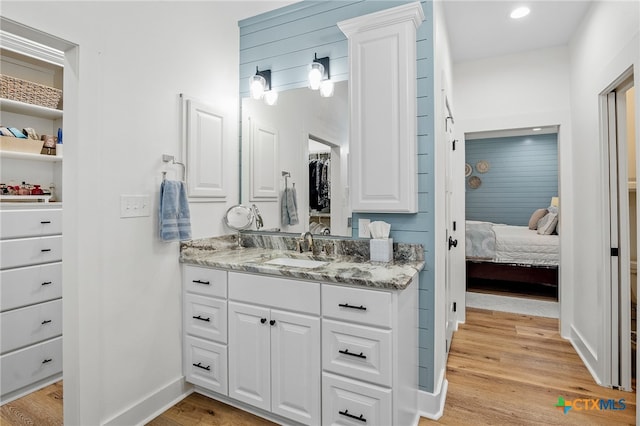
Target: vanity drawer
{"points": [[282, 293], [30, 251], [349, 402], [30, 223], [205, 281], [31, 364], [25, 326], [360, 352], [206, 317], [30, 285], [357, 305], [205, 364]]}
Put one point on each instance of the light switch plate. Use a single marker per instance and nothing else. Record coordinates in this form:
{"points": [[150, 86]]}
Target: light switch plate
{"points": [[363, 228], [134, 206]]}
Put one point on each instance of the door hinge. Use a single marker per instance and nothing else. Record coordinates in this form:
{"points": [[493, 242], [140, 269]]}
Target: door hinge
{"points": [[453, 144], [446, 346], [614, 251], [454, 225], [455, 307]]}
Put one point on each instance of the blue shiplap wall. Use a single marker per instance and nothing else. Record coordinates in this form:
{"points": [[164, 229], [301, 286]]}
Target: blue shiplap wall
{"points": [[285, 41], [523, 177]]}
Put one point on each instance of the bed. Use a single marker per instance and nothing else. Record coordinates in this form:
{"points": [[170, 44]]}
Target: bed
{"points": [[511, 253]]}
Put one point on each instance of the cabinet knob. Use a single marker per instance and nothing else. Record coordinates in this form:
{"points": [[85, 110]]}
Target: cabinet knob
{"points": [[263, 320], [272, 322]]}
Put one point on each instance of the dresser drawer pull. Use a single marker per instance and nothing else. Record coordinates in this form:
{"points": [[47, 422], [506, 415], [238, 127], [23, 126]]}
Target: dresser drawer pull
{"points": [[47, 283], [346, 413], [47, 360], [45, 222], [45, 250], [201, 282], [360, 355], [199, 365], [198, 317], [346, 305], [46, 322]]}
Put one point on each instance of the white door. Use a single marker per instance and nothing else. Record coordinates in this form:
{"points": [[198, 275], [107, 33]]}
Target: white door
{"points": [[454, 259], [249, 355], [295, 366]]}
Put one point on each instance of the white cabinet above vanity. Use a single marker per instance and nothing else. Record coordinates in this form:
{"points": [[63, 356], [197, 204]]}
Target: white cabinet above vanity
{"points": [[383, 110]]}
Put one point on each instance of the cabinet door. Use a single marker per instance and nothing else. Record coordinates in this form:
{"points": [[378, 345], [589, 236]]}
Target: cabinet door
{"points": [[295, 366], [249, 355]]}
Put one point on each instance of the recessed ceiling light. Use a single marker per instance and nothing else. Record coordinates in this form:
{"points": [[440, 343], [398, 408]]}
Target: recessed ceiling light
{"points": [[537, 129], [520, 12]]}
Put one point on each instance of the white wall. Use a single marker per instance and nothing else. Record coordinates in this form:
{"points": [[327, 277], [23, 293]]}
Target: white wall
{"points": [[122, 286], [605, 45]]}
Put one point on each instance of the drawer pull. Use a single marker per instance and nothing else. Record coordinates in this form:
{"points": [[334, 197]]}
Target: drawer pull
{"points": [[199, 365], [47, 283], [272, 322], [346, 413], [47, 360], [45, 222], [360, 355], [46, 322], [263, 320], [201, 282], [45, 250], [346, 305], [198, 317]]}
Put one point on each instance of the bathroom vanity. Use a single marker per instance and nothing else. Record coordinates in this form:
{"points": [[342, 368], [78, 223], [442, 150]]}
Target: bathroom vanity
{"points": [[303, 338]]}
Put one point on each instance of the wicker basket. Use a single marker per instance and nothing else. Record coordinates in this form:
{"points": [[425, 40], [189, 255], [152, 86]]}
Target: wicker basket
{"points": [[29, 92]]}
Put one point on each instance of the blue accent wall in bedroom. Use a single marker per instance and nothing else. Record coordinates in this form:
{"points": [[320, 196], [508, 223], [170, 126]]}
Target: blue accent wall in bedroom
{"points": [[523, 176], [285, 40]]}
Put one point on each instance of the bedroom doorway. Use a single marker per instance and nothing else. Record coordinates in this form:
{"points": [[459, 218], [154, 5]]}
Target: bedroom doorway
{"points": [[512, 242], [620, 130]]}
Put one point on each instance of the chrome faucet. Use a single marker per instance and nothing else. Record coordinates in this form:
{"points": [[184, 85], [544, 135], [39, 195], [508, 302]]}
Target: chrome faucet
{"points": [[307, 239], [257, 216]]}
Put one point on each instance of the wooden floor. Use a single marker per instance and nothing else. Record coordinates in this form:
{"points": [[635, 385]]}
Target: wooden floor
{"points": [[503, 369]]}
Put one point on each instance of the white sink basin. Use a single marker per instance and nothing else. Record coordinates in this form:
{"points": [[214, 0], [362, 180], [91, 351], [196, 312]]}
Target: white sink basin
{"points": [[297, 263]]}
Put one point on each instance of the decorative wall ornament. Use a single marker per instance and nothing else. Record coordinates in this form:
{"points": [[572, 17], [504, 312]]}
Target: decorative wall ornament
{"points": [[467, 170], [474, 182], [482, 166]]}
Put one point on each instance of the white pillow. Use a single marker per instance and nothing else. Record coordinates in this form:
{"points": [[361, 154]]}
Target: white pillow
{"points": [[547, 224]]}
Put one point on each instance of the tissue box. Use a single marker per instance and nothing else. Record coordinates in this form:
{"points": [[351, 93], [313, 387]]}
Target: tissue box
{"points": [[381, 250]]}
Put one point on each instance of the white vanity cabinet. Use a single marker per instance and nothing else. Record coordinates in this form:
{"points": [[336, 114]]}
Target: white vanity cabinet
{"points": [[31, 298], [369, 355], [383, 109], [274, 351]]}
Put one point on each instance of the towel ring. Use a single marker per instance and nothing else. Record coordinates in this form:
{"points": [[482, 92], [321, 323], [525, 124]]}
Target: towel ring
{"points": [[171, 159]]}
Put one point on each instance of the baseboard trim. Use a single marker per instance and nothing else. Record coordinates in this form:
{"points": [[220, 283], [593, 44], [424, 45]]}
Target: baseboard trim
{"points": [[431, 405], [156, 403]]}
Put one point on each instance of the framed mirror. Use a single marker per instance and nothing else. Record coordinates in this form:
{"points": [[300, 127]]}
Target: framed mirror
{"points": [[301, 144]]}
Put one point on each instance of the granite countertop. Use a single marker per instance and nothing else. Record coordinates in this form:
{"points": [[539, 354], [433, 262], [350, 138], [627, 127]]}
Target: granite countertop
{"points": [[348, 260]]}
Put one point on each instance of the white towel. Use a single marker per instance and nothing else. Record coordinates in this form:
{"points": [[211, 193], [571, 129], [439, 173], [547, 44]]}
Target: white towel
{"points": [[173, 214]]}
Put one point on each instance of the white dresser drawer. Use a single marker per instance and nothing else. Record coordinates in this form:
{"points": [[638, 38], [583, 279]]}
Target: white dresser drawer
{"points": [[205, 364], [368, 307], [30, 223], [360, 352], [30, 285], [28, 365], [206, 317], [283, 293], [348, 402], [25, 326], [206, 281], [30, 251]]}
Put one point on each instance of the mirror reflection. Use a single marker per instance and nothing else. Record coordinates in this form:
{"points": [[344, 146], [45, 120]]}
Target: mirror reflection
{"points": [[294, 161]]}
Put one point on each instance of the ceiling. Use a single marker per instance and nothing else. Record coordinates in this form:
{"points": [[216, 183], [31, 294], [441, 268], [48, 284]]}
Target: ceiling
{"points": [[481, 29]]}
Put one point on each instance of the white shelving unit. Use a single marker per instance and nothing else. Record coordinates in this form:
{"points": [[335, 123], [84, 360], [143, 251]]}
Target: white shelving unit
{"points": [[29, 109]]}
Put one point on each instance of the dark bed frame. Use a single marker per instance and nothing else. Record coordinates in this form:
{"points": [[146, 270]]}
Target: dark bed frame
{"points": [[543, 275]]}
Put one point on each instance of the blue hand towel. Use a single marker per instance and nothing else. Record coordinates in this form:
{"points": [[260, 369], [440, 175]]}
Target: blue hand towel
{"points": [[289, 207], [174, 216]]}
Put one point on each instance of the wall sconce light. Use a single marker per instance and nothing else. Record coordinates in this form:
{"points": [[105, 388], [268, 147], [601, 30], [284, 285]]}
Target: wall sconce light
{"points": [[320, 75], [260, 87]]}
